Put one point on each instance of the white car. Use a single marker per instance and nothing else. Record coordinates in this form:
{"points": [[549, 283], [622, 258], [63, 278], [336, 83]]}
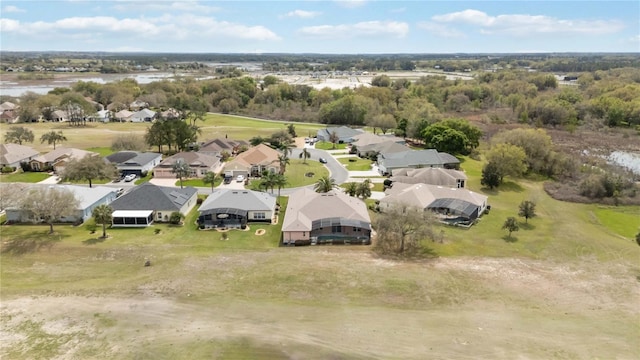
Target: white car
{"points": [[130, 177], [240, 178]]}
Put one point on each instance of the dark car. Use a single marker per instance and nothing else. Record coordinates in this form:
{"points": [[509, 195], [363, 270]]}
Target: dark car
{"points": [[322, 160], [227, 179]]}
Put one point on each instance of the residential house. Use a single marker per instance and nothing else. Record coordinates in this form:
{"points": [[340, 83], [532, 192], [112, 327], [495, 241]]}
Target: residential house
{"points": [[57, 159], [452, 205], [170, 114], [138, 105], [143, 115], [88, 199], [199, 164], [432, 176], [325, 218], [369, 145], [103, 116], [345, 134], [389, 161], [146, 203], [123, 115], [13, 154], [135, 162], [8, 112], [229, 208], [215, 147], [254, 162], [59, 116]]}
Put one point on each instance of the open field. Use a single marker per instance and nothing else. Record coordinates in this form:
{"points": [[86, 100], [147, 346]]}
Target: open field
{"points": [[99, 136], [566, 286]]}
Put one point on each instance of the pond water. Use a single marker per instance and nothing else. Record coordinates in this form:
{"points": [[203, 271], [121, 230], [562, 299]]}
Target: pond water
{"points": [[16, 89], [627, 160]]}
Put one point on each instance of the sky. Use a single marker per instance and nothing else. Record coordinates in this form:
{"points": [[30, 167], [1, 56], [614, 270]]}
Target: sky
{"points": [[327, 27]]}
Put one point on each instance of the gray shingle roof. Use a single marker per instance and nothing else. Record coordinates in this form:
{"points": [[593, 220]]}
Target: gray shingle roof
{"points": [[239, 199], [152, 197], [132, 157], [413, 158]]}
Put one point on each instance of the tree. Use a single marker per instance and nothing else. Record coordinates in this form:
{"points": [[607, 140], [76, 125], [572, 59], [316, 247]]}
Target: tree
{"points": [[280, 181], [401, 229], [511, 225], [383, 121], [18, 135], [333, 138], [325, 184], [291, 129], [268, 180], [102, 215], [89, 168], [283, 160], [509, 160], [209, 178], [364, 189], [445, 139], [351, 188], [527, 210], [130, 141], [638, 238], [49, 205], [182, 169], [304, 155], [490, 175], [53, 137]]}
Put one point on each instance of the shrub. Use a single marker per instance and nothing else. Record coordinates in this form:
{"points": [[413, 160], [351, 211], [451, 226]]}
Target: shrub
{"points": [[176, 218], [7, 169], [26, 167]]}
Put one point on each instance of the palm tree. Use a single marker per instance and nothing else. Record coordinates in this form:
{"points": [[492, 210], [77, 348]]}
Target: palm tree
{"points": [[268, 180], [53, 137], [351, 188], [209, 178], [364, 189], [280, 181], [284, 161], [181, 169], [102, 214], [325, 184], [304, 155]]}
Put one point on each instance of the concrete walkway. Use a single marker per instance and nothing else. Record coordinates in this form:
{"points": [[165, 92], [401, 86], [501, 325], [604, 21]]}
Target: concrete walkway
{"points": [[53, 179]]}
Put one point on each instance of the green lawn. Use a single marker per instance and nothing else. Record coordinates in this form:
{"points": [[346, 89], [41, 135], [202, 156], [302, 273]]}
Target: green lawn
{"points": [[144, 179], [325, 145], [199, 182], [102, 150], [28, 177], [356, 163]]}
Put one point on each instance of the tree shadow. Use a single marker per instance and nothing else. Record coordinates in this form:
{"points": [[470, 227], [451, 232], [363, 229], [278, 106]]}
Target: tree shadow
{"points": [[527, 226], [30, 243], [94, 241], [509, 238], [510, 186]]}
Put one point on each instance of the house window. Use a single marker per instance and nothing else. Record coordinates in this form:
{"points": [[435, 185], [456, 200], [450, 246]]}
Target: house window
{"points": [[357, 229], [336, 228], [259, 215]]}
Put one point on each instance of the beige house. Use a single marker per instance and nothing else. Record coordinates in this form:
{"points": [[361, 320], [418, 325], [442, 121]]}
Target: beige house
{"points": [[215, 147], [453, 205], [200, 164], [9, 112], [431, 176], [58, 159], [13, 154], [325, 218], [254, 162]]}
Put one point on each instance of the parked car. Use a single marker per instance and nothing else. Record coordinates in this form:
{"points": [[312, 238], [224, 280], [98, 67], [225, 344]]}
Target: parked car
{"points": [[227, 179], [322, 160], [130, 177], [240, 178], [119, 192]]}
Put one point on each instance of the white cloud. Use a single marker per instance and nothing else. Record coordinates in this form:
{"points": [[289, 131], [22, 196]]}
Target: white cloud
{"points": [[165, 6], [367, 28], [440, 30], [302, 14], [12, 9], [159, 28], [524, 24], [351, 3]]}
